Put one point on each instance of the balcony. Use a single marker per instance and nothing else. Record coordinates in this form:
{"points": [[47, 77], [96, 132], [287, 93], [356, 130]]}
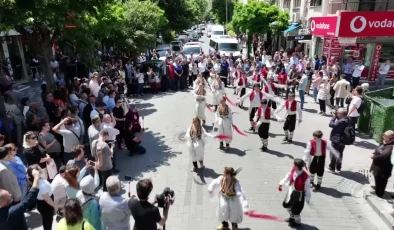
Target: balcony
{"points": [[359, 5]]}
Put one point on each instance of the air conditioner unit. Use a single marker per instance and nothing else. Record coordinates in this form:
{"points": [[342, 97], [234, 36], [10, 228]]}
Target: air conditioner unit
{"points": [[295, 17]]}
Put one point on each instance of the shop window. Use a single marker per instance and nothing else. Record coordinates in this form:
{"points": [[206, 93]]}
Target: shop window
{"points": [[297, 3], [316, 2], [286, 4], [387, 53]]}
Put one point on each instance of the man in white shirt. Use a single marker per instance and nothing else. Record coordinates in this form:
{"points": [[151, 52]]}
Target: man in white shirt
{"points": [[358, 69], [294, 59], [355, 104], [93, 85], [108, 124], [383, 71]]}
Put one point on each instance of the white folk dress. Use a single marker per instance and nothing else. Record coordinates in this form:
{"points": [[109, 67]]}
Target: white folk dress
{"points": [[196, 146], [197, 82], [224, 124], [200, 105], [218, 92], [231, 208]]}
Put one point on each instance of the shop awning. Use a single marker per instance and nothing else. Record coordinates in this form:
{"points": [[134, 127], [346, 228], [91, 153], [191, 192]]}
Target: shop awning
{"points": [[291, 28]]}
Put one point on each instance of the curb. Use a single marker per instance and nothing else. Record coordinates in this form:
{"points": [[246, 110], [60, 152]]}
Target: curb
{"points": [[380, 206]]}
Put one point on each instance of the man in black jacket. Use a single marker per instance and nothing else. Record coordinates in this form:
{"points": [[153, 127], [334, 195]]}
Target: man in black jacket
{"points": [[12, 213], [338, 124]]}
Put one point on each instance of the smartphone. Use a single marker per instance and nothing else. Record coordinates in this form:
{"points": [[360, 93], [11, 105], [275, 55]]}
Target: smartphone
{"points": [[92, 163]]}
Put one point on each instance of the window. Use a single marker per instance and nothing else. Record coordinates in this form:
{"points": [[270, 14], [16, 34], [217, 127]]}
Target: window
{"points": [[297, 3], [228, 47], [212, 44], [286, 4], [316, 2], [217, 32], [189, 50]]}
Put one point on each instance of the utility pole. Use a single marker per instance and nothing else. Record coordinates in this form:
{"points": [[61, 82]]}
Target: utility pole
{"points": [[226, 12]]}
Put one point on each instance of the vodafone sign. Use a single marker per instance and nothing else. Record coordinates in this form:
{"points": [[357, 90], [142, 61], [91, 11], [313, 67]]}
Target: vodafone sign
{"points": [[364, 24], [324, 26]]}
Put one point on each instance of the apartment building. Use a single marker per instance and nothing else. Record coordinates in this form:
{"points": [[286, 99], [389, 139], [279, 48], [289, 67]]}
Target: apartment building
{"points": [[338, 29]]}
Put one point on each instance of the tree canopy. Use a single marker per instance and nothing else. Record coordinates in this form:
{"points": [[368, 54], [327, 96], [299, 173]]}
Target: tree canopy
{"points": [[219, 10], [256, 17]]}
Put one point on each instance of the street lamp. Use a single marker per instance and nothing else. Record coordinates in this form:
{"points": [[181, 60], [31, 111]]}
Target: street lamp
{"points": [[275, 26]]}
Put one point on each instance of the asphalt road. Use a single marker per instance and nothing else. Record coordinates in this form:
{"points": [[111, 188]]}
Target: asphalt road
{"points": [[339, 205]]}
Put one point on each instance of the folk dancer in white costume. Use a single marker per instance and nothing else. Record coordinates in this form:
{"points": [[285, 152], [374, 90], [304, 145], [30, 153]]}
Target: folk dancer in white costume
{"points": [[256, 76], [262, 118], [212, 77], [200, 80], [237, 73], [315, 157], [255, 97], [241, 84], [195, 136], [224, 122], [292, 108], [232, 200], [299, 192], [200, 96], [218, 91], [270, 87]]}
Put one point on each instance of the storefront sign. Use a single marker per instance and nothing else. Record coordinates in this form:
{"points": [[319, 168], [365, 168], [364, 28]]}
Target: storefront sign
{"points": [[299, 38], [324, 26], [332, 49], [365, 24], [375, 61]]}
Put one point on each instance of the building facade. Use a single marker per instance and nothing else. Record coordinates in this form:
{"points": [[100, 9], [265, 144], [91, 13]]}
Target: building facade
{"points": [[339, 29]]}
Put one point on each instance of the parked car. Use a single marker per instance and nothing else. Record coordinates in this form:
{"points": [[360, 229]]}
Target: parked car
{"points": [[177, 43], [157, 67], [183, 38], [176, 49], [161, 50]]}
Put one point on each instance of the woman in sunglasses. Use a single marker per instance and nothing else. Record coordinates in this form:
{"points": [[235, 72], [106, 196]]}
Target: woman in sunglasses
{"points": [[33, 154]]}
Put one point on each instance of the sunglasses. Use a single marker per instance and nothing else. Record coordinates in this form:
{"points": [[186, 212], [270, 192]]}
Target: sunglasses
{"points": [[33, 138]]}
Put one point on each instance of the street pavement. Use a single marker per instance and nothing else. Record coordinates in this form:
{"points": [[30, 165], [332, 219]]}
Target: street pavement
{"points": [[338, 205]]}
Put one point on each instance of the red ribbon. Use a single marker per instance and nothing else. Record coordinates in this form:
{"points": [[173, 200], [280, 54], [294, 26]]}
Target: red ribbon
{"points": [[222, 137], [229, 101], [252, 214], [209, 108], [239, 131]]}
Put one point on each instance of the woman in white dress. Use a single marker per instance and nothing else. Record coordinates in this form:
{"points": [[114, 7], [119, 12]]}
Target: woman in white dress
{"points": [[195, 136], [232, 200], [212, 77], [200, 96], [218, 92], [198, 81], [224, 122]]}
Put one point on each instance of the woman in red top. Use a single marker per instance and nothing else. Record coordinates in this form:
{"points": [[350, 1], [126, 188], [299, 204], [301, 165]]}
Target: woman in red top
{"points": [[282, 78]]}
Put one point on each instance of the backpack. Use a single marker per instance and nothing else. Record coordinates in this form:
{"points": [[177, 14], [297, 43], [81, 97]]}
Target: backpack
{"points": [[349, 134], [361, 108]]}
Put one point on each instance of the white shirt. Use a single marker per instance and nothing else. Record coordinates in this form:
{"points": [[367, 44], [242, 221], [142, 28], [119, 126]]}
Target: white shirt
{"points": [[384, 69], [216, 67], [358, 69], [202, 66], [112, 132], [140, 78], [45, 188], [54, 64], [357, 102], [94, 88], [58, 188], [288, 111], [256, 100]]}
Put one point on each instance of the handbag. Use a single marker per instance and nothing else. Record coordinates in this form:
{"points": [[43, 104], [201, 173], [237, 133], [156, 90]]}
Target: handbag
{"points": [[51, 169]]}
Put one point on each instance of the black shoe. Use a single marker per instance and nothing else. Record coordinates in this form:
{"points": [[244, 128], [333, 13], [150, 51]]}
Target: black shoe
{"points": [[317, 187], [251, 128], [285, 139], [289, 140], [294, 224], [264, 148], [313, 185], [288, 220]]}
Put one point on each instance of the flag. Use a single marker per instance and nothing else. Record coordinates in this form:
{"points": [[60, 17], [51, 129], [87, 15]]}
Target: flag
{"points": [[222, 137], [229, 101], [252, 214], [209, 108], [239, 131]]}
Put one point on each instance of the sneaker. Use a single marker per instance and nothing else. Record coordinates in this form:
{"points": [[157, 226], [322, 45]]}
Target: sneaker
{"points": [[338, 171], [331, 170]]}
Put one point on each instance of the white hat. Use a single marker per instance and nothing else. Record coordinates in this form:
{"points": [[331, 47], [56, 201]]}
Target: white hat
{"points": [[94, 114]]}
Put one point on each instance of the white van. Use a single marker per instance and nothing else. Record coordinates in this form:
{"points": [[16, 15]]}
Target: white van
{"points": [[217, 31], [225, 45]]}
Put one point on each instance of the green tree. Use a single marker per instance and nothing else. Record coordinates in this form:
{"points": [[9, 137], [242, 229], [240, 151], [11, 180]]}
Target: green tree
{"points": [[219, 10], [45, 21], [179, 13]]}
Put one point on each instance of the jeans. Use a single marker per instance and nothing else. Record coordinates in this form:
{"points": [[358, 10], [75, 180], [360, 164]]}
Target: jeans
{"points": [[340, 102], [302, 97], [379, 83], [315, 91], [140, 88], [336, 163], [104, 177], [322, 104]]}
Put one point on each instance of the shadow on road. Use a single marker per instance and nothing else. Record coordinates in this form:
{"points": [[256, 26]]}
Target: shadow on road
{"points": [[333, 192], [279, 154], [34, 220], [360, 177], [307, 227], [237, 152], [365, 145], [297, 143], [310, 110], [205, 173]]}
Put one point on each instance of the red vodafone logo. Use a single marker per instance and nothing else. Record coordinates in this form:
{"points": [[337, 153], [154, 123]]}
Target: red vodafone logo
{"points": [[364, 24], [358, 24]]}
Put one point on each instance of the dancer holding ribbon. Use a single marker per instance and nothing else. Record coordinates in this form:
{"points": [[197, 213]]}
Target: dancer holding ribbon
{"points": [[292, 108], [241, 83], [200, 96], [255, 97], [262, 118], [299, 192], [224, 122], [232, 200], [218, 91], [195, 136]]}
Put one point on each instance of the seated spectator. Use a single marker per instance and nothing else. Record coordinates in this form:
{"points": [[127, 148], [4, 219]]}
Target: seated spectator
{"points": [[45, 205], [58, 187], [115, 213], [73, 218], [17, 166], [133, 143], [12, 212], [90, 204], [8, 179]]}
